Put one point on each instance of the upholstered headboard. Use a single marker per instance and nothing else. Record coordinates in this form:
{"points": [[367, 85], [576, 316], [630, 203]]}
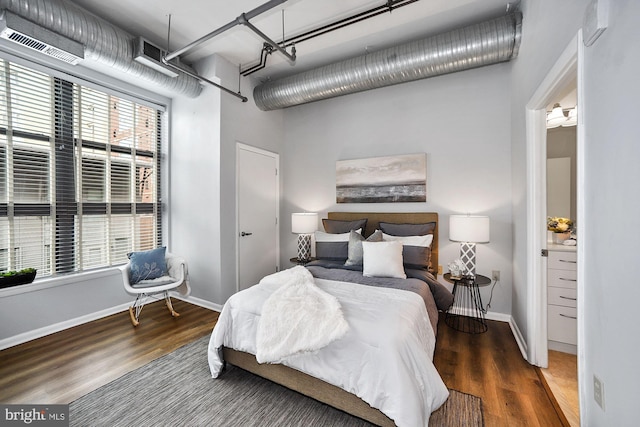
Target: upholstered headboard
{"points": [[374, 218]]}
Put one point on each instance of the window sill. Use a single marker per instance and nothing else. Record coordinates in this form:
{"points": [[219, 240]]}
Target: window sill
{"points": [[52, 282]]}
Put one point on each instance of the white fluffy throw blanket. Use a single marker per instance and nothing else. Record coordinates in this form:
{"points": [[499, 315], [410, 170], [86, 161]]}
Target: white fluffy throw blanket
{"points": [[298, 317]]}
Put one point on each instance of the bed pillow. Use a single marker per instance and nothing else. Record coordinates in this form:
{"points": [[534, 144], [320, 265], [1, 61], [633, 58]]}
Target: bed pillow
{"points": [[147, 265], [408, 229], [332, 246], [416, 250], [382, 259], [336, 226], [355, 246]]}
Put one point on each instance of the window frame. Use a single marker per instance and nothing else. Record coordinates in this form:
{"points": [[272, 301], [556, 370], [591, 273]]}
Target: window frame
{"points": [[110, 86]]}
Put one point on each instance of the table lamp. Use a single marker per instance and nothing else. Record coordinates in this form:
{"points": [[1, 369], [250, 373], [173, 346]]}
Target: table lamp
{"points": [[304, 224], [469, 230]]}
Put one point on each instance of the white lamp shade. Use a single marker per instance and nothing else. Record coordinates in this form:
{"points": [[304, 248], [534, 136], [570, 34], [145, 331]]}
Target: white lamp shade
{"points": [[304, 223], [469, 228]]}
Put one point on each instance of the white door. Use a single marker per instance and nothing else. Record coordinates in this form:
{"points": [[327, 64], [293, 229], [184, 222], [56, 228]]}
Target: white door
{"points": [[258, 243]]}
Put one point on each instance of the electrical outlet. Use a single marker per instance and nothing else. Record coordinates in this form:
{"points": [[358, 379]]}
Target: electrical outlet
{"points": [[495, 275], [440, 270], [598, 391]]}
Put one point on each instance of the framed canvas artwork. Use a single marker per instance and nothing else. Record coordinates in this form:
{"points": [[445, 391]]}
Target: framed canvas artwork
{"points": [[382, 179]]}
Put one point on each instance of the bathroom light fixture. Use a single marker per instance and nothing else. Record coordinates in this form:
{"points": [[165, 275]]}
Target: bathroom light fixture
{"points": [[557, 117]]}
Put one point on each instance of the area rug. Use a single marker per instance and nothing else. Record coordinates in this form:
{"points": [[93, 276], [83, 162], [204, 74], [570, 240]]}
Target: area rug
{"points": [[177, 390]]}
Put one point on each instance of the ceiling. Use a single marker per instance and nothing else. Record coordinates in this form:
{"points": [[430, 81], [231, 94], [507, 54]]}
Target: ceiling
{"points": [[192, 19]]}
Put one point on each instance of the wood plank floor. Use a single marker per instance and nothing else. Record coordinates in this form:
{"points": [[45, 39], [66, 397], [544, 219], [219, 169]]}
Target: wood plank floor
{"points": [[64, 366], [490, 366], [562, 378], [61, 367]]}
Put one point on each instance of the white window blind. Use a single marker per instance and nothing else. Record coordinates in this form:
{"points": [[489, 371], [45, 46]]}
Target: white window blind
{"points": [[79, 174]]}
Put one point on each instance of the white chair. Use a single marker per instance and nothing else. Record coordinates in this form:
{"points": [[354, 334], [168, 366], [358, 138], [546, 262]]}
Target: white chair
{"points": [[176, 280]]}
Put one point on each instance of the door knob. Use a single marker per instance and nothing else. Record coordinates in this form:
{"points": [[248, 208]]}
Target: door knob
{"points": [[244, 233]]}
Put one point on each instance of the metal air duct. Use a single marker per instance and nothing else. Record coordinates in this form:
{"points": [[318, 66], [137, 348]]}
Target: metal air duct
{"points": [[486, 43], [103, 42]]}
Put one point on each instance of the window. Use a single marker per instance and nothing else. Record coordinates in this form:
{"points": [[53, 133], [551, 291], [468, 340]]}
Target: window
{"points": [[79, 174]]}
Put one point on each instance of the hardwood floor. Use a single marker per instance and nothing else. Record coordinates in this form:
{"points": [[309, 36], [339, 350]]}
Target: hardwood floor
{"points": [[61, 367], [562, 379], [490, 366]]}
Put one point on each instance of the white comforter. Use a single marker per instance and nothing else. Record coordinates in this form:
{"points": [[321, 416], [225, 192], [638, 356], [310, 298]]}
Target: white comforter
{"points": [[385, 358]]}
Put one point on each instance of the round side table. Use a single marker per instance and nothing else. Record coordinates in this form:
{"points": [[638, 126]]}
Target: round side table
{"points": [[466, 314]]}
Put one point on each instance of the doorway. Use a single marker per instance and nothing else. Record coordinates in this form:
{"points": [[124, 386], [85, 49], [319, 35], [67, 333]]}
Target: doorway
{"points": [[568, 68], [258, 242]]}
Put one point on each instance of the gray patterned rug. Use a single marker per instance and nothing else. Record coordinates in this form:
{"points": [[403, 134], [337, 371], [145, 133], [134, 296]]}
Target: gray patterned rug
{"points": [[177, 390]]}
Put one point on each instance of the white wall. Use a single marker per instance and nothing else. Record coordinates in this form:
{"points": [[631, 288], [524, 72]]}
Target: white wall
{"points": [[609, 229], [547, 28], [460, 120], [203, 173], [612, 218], [195, 186]]}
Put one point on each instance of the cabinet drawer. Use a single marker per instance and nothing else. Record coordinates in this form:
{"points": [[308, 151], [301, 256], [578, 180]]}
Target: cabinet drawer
{"points": [[562, 260], [562, 325], [562, 296], [562, 278]]}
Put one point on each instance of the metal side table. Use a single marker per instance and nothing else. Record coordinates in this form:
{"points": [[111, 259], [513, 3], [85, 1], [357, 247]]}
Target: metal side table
{"points": [[466, 314]]}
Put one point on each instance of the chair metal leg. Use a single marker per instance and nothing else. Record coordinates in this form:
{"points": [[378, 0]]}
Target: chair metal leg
{"points": [[139, 303], [167, 299], [136, 308]]}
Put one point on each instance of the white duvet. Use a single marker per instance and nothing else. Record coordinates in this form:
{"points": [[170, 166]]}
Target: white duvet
{"points": [[385, 357]]}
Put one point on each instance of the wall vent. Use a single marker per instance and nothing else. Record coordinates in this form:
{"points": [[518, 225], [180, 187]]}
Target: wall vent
{"points": [[151, 55], [28, 34]]}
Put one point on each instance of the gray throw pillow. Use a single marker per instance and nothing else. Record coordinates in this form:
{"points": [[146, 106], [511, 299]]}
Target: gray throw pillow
{"points": [[407, 229], [355, 246], [336, 226]]}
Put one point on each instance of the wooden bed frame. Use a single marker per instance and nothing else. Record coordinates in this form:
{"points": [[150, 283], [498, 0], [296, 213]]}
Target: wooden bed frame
{"points": [[314, 387]]}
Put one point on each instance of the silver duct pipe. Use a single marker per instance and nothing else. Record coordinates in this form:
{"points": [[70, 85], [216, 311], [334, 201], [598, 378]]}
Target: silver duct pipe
{"points": [[103, 42], [486, 43]]}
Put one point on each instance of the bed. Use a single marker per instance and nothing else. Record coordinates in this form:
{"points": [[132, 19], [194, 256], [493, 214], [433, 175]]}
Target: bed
{"points": [[381, 369]]}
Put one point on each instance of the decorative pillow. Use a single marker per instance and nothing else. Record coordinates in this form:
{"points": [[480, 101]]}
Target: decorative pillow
{"points": [[423, 241], [147, 265], [355, 246], [408, 229], [382, 259], [336, 226], [333, 247], [416, 250]]}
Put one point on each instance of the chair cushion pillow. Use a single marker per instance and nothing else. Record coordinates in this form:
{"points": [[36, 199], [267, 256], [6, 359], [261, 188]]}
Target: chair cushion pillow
{"points": [[160, 281], [147, 265]]}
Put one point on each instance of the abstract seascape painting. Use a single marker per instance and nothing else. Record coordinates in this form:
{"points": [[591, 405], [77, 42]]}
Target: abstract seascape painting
{"points": [[382, 179]]}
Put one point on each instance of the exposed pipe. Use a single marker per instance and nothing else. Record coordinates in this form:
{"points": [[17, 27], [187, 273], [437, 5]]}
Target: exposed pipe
{"points": [[486, 43], [103, 42], [267, 49], [243, 19]]}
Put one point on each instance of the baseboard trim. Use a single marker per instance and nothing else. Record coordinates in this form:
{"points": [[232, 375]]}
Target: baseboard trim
{"points": [[500, 317], [57, 327], [61, 326], [200, 302], [522, 344]]}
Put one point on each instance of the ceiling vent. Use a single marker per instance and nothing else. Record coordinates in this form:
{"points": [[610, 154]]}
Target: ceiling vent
{"points": [[28, 34], [151, 55]]}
